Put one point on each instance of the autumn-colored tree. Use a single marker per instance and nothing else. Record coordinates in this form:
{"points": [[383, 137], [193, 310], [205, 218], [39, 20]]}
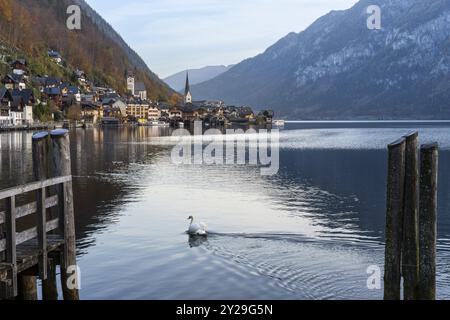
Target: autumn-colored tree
{"points": [[36, 26], [74, 113], [5, 10]]}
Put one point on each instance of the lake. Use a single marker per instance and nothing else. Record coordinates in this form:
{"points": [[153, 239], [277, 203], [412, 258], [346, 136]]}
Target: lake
{"points": [[309, 232]]}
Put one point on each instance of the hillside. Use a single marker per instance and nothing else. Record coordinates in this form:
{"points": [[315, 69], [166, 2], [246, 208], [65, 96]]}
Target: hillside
{"points": [[177, 81], [32, 27], [339, 69]]}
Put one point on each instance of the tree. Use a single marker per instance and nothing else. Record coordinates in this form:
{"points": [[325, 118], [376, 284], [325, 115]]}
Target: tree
{"points": [[42, 112], [74, 113]]}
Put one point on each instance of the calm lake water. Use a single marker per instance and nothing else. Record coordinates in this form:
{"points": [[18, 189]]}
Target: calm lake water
{"points": [[309, 232]]}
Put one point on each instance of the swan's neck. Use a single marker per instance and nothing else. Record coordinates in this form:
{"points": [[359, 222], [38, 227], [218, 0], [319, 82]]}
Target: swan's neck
{"points": [[192, 221]]}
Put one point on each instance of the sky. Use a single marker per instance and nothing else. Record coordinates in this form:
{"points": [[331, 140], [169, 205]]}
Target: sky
{"points": [[175, 35]]}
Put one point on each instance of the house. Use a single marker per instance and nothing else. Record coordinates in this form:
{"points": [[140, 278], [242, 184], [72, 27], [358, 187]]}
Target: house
{"points": [[163, 108], [246, 113], [231, 112], [22, 106], [267, 116], [140, 90], [92, 112], [19, 67], [51, 82], [175, 112], [88, 98], [188, 112], [55, 56], [81, 76], [70, 94], [114, 108], [154, 113], [54, 94], [64, 88], [5, 107], [138, 109], [14, 81], [200, 113], [75, 92]]}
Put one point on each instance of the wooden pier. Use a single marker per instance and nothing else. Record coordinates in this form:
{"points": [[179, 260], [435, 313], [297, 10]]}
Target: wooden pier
{"points": [[48, 235], [411, 220]]}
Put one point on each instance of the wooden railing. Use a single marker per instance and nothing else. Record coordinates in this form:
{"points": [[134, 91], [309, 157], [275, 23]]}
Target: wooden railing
{"points": [[51, 158], [12, 213]]}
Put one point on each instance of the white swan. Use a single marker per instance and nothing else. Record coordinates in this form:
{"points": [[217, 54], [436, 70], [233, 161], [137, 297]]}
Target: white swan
{"points": [[197, 229]]}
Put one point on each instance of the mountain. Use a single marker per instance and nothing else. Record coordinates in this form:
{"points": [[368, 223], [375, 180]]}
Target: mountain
{"points": [[178, 80], [339, 69], [32, 27]]}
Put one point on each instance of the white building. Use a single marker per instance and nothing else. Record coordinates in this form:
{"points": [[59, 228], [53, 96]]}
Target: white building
{"points": [[140, 91], [154, 113], [130, 84], [5, 107], [22, 107]]}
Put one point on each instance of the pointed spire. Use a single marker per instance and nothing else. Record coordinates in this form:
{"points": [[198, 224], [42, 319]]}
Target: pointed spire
{"points": [[187, 88]]}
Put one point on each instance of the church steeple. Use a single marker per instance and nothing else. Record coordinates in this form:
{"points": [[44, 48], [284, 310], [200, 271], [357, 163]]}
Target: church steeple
{"points": [[187, 90]]}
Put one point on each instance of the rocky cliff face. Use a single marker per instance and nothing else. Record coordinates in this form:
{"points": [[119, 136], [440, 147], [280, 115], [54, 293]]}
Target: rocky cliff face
{"points": [[339, 69]]}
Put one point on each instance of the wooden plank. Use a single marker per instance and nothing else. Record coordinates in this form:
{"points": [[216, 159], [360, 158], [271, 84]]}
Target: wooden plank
{"points": [[28, 253], [410, 249], [394, 220], [4, 194], [31, 208], [428, 221], [42, 232], [31, 234]]}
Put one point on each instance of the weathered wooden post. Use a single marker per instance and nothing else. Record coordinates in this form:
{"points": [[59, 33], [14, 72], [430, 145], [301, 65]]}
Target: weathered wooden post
{"points": [[41, 148], [2, 236], [40, 172], [394, 219], [28, 281], [410, 250], [11, 254], [428, 221], [49, 287], [62, 167], [27, 287]]}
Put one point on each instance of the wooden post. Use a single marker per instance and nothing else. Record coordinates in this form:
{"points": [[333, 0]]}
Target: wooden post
{"points": [[410, 251], [428, 221], [11, 255], [40, 172], [394, 220], [62, 167], [2, 236], [27, 288], [49, 287]]}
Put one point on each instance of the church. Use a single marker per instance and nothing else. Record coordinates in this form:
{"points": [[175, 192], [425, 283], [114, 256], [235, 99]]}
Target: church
{"points": [[187, 91]]}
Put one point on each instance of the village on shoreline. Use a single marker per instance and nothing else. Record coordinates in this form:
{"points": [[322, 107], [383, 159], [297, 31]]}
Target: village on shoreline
{"points": [[30, 101]]}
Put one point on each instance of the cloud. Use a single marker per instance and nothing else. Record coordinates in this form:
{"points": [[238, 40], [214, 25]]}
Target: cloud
{"points": [[172, 35]]}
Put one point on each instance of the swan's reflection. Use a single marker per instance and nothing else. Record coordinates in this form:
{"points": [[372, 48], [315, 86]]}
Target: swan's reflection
{"points": [[197, 241]]}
